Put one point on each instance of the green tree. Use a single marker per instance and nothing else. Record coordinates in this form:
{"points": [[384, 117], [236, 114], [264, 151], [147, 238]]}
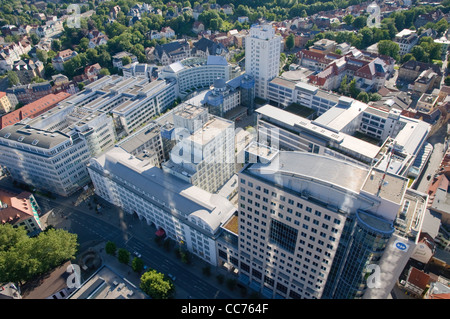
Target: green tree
{"points": [[104, 71], [22, 258], [110, 248], [156, 286], [137, 264], [359, 22], [290, 41], [352, 89], [348, 19], [13, 79], [56, 45], [447, 80], [363, 97], [390, 48], [42, 55], [123, 256]]}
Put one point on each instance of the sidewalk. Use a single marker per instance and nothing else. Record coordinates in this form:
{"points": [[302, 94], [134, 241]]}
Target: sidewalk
{"points": [[145, 233]]}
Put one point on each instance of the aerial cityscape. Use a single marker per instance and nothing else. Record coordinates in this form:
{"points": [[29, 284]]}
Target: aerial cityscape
{"points": [[224, 150]]}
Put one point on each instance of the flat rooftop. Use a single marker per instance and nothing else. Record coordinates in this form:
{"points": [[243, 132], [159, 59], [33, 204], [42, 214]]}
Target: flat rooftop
{"points": [[106, 284], [210, 130], [317, 167], [392, 187]]}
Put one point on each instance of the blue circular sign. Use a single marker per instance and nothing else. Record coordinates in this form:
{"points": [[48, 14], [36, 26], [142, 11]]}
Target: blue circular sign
{"points": [[400, 246]]}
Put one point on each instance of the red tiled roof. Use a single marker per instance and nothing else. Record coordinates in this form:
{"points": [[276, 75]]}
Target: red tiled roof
{"points": [[418, 278], [17, 207], [33, 109]]}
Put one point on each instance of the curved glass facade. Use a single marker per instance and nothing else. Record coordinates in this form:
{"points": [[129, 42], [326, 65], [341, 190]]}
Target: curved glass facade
{"points": [[362, 243]]}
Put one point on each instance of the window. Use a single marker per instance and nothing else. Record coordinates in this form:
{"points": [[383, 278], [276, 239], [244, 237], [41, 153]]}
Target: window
{"points": [[283, 235]]}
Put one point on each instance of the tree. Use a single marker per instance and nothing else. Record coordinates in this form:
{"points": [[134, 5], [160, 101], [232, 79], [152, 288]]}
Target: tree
{"points": [[56, 45], [359, 22], [126, 60], [104, 71], [137, 264], [363, 97], [110, 248], [352, 89], [22, 258], [156, 286], [390, 48], [447, 80], [123, 255], [42, 55], [348, 19], [290, 41], [419, 53], [13, 78]]}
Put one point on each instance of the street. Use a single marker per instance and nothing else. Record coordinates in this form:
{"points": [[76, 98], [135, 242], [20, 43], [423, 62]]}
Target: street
{"points": [[431, 168], [132, 234]]}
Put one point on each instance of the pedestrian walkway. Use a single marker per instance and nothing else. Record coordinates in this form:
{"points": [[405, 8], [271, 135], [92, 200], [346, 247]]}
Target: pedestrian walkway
{"points": [[145, 233]]}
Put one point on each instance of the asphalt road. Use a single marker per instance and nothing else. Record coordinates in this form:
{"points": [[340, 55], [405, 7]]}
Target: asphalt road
{"points": [[130, 233], [431, 168]]}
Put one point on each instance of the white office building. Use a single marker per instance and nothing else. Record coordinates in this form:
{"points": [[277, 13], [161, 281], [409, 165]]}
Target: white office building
{"points": [[188, 214], [197, 73], [205, 153], [314, 230], [262, 57]]}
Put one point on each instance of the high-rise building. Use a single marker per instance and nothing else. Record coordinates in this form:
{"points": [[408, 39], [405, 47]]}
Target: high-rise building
{"points": [[205, 153], [319, 229], [262, 57]]}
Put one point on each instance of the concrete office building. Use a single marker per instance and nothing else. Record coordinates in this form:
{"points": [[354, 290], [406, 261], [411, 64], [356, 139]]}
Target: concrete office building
{"points": [[231, 99], [205, 153], [262, 57], [197, 73], [315, 230], [63, 139], [188, 214]]}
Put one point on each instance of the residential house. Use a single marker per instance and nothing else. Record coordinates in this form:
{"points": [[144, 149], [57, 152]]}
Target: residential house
{"points": [[99, 40], [32, 109], [243, 19], [167, 33], [62, 57], [172, 52], [20, 210], [52, 285], [227, 9], [406, 39], [117, 58], [5, 103], [27, 69], [198, 27], [205, 47], [427, 75]]}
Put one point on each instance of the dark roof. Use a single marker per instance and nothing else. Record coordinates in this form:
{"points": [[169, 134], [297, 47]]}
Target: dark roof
{"points": [[422, 66], [213, 47], [170, 48]]}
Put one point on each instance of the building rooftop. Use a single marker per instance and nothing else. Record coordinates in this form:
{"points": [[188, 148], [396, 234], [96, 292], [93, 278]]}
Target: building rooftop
{"points": [[388, 186], [316, 167], [166, 190], [106, 284]]}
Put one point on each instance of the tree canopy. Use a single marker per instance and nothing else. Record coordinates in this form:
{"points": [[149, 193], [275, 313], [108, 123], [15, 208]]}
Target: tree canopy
{"points": [[156, 285], [22, 258]]}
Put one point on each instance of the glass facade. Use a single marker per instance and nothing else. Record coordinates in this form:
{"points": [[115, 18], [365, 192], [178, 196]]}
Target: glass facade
{"points": [[362, 243]]}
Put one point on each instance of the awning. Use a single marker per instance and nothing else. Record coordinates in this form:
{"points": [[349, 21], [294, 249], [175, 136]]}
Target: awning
{"points": [[160, 232]]}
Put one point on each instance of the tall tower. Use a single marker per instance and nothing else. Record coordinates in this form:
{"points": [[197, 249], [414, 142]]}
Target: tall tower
{"points": [[317, 229], [262, 56]]}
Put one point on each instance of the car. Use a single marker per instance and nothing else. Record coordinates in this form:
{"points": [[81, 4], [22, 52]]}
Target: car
{"points": [[429, 177], [137, 254], [172, 277]]}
